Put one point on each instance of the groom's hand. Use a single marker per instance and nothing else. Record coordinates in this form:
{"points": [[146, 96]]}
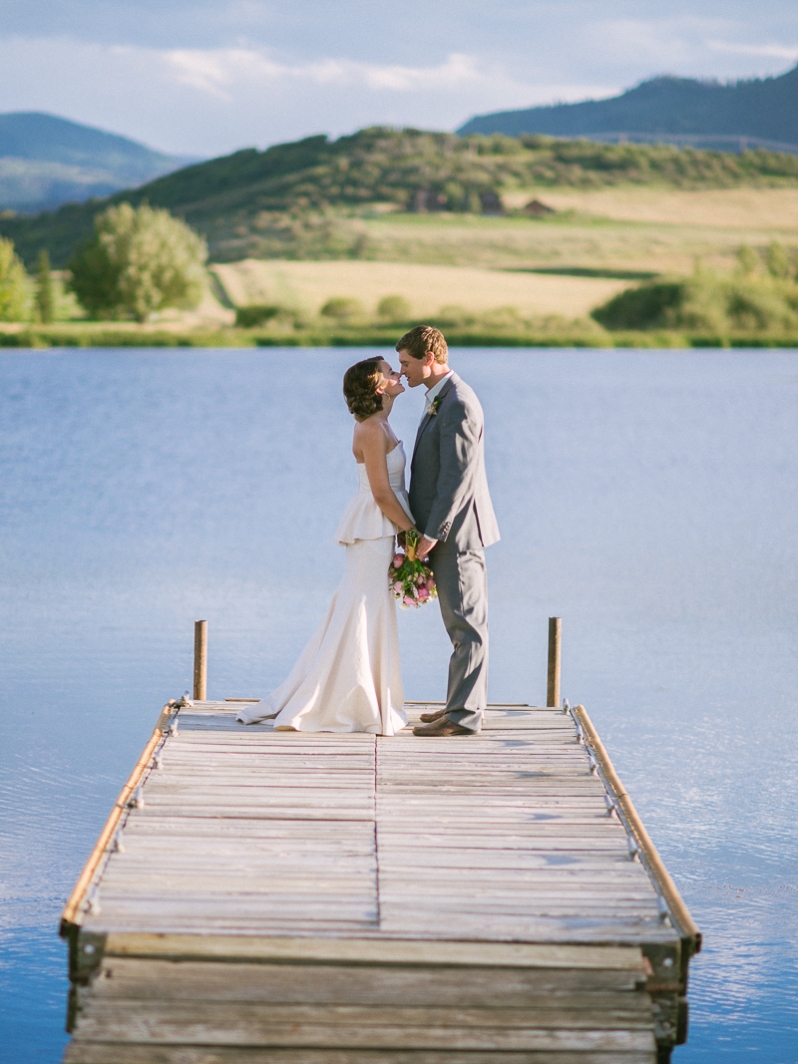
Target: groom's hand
{"points": [[424, 547]]}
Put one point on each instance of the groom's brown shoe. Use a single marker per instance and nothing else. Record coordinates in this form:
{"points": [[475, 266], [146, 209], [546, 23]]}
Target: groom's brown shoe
{"points": [[428, 718], [441, 727]]}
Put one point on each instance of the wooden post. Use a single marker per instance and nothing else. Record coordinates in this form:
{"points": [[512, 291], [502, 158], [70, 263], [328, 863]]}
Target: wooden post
{"points": [[555, 646], [200, 661]]}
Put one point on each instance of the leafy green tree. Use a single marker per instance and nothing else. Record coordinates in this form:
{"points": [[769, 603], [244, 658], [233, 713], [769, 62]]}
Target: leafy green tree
{"points": [[45, 290], [255, 314], [453, 316], [13, 284], [394, 308], [777, 261], [343, 309], [747, 260], [139, 261]]}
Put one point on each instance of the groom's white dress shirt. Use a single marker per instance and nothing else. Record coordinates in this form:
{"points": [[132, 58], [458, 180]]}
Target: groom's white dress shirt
{"points": [[433, 391]]}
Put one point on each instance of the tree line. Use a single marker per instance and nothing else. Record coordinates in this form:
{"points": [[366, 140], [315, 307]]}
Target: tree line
{"points": [[139, 261]]}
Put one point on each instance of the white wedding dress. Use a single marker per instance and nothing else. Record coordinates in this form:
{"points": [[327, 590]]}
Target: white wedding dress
{"points": [[347, 678]]}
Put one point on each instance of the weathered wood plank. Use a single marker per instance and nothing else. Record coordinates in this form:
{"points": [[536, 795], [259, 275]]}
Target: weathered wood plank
{"points": [[160, 826], [278, 811], [227, 1023], [256, 1020], [354, 951], [595, 988], [116, 1053]]}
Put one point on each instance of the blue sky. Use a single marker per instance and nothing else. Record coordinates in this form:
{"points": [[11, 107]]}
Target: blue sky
{"points": [[199, 77]]}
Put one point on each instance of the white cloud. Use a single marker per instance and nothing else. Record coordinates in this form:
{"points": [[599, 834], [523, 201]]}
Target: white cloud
{"points": [[210, 101], [216, 71], [201, 71], [774, 51], [701, 44], [658, 45]]}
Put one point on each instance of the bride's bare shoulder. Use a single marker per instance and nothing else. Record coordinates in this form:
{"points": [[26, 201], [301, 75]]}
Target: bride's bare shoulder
{"points": [[369, 430], [367, 439]]}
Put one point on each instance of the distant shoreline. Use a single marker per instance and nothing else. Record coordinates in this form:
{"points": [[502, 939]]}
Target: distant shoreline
{"points": [[96, 335]]}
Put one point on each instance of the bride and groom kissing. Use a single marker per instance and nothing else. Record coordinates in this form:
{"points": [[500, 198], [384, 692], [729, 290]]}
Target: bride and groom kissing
{"points": [[348, 677]]}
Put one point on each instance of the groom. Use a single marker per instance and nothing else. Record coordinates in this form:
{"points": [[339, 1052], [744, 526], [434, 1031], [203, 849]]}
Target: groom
{"points": [[451, 504]]}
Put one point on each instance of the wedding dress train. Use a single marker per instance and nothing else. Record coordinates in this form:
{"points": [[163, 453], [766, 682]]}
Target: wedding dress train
{"points": [[348, 677]]}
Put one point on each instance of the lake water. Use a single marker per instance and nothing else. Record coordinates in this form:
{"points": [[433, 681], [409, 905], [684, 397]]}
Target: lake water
{"points": [[648, 498]]}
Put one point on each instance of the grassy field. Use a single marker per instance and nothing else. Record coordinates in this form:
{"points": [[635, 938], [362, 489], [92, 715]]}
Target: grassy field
{"points": [[769, 209], [427, 289], [482, 263], [614, 229]]}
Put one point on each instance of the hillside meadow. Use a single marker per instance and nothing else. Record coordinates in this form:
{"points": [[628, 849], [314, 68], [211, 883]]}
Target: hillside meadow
{"points": [[321, 198], [618, 231], [766, 209], [428, 290]]}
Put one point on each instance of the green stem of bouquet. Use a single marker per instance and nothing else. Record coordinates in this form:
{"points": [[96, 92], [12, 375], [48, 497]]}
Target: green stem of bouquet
{"points": [[412, 536]]}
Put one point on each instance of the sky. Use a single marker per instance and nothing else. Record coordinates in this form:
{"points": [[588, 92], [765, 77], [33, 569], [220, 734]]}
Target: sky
{"points": [[205, 77]]}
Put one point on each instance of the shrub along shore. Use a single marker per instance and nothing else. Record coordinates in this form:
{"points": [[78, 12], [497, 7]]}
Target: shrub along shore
{"points": [[101, 334]]}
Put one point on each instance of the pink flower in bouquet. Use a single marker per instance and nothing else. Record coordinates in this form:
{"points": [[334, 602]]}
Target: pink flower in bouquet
{"points": [[408, 601], [423, 594], [430, 582], [397, 587], [397, 560]]}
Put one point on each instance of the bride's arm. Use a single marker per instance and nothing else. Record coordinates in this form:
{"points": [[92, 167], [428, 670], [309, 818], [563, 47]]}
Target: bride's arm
{"points": [[371, 441]]}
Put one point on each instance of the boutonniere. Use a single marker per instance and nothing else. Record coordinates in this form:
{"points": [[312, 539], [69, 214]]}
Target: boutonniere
{"points": [[434, 406]]}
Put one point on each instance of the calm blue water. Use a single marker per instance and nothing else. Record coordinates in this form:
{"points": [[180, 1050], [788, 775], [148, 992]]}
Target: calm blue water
{"points": [[647, 498]]}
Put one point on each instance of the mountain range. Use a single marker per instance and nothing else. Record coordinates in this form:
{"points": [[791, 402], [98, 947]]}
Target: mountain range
{"points": [[704, 114], [46, 161]]}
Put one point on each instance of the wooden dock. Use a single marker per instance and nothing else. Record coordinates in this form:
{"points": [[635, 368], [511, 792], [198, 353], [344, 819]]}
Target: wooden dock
{"points": [[261, 896]]}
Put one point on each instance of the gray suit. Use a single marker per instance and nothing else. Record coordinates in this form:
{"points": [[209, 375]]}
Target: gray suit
{"points": [[450, 501]]}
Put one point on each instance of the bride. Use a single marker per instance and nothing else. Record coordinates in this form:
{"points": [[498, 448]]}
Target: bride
{"points": [[348, 678]]}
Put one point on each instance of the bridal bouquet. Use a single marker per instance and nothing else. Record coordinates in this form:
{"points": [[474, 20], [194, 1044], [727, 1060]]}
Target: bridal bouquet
{"points": [[410, 580]]}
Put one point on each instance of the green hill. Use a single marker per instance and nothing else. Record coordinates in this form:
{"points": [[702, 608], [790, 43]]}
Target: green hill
{"points": [[46, 161], [759, 110], [292, 200]]}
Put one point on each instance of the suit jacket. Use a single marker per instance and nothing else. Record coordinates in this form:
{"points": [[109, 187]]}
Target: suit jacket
{"points": [[449, 493]]}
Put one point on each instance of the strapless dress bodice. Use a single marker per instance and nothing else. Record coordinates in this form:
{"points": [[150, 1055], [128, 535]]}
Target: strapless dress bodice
{"points": [[396, 470], [362, 518]]}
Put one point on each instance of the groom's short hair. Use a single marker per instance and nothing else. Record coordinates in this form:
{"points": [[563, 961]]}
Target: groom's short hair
{"points": [[422, 339]]}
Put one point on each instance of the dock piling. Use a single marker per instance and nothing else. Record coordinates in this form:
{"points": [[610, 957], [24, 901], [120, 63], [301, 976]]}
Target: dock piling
{"points": [[200, 661], [555, 646]]}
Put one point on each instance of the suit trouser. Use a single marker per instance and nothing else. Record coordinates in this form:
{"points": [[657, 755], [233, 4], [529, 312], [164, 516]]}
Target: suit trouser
{"points": [[462, 584]]}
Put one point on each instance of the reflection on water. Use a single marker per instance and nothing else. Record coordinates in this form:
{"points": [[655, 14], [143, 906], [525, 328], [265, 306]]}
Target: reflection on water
{"points": [[646, 497]]}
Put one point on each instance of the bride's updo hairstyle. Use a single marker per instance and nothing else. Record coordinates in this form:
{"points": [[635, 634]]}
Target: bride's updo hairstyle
{"points": [[361, 382]]}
